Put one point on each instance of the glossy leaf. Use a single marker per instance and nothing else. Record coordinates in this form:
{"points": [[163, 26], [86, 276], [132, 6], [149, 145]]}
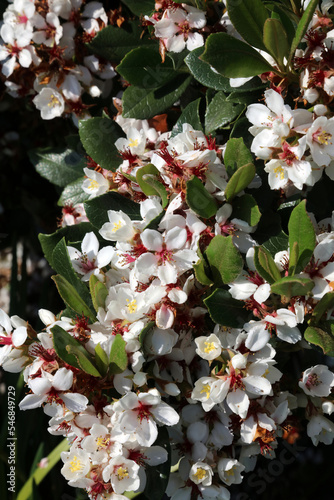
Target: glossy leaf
{"points": [[233, 58], [98, 136], [146, 177], [199, 199], [190, 115], [118, 358], [277, 243], [59, 166], [101, 360], [265, 265], [73, 193], [98, 291], [220, 112], [236, 155], [248, 17], [293, 258], [302, 26], [202, 271], [325, 303], [292, 286], [73, 352], [225, 310], [239, 181], [145, 330], [224, 259], [321, 338], [146, 103], [72, 298], [301, 230], [276, 40], [246, 208], [142, 8]]}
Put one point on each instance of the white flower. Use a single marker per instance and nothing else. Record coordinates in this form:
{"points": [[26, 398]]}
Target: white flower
{"points": [[76, 464], [49, 29], [90, 260], [119, 227], [210, 391], [208, 347], [122, 474], [320, 430], [286, 325], [95, 184], [135, 142], [11, 357], [17, 39], [50, 103], [319, 137], [201, 473], [229, 471], [317, 381]]}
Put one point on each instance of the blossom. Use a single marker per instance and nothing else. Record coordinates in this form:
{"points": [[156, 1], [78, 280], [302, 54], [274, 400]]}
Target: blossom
{"points": [[50, 103], [17, 39], [90, 260], [317, 381], [229, 471]]}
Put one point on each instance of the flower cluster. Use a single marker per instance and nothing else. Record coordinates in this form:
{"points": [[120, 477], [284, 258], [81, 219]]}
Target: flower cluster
{"points": [[43, 54]]}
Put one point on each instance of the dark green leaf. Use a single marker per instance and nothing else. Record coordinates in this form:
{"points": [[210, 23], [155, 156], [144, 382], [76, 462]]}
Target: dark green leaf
{"points": [[199, 199], [292, 286], [59, 166], [145, 330], [224, 259], [101, 360], [190, 115], [146, 103], [98, 291], [202, 270], [157, 476], [265, 265], [301, 230], [278, 13], [276, 40], [73, 193], [118, 359], [146, 177], [98, 136], [220, 112], [321, 338], [245, 208], [326, 302], [114, 43], [302, 26], [71, 297], [73, 352], [236, 155], [142, 8], [248, 17], [225, 310], [143, 67], [293, 258], [239, 181], [233, 58], [277, 243], [97, 208]]}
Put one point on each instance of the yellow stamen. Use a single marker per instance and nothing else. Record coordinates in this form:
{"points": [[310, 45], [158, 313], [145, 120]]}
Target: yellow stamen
{"points": [[279, 171], [117, 225], [102, 442], [230, 472], [122, 473], [132, 306], [76, 464], [210, 346], [93, 184], [200, 474], [324, 138], [207, 390], [133, 143], [54, 101]]}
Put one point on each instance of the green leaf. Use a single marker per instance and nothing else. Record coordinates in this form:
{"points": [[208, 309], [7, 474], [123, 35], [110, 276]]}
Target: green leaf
{"points": [[325, 303], [301, 230], [224, 259], [146, 103], [293, 258], [302, 26], [245, 208], [292, 286], [157, 476], [225, 310], [73, 352], [236, 155], [239, 181], [190, 115], [233, 58], [118, 359], [202, 270], [98, 291], [73, 193], [97, 208], [142, 8], [199, 199], [277, 243], [63, 266], [114, 43], [321, 338], [144, 331], [72, 298], [40, 473], [70, 233], [205, 75], [143, 67], [101, 360], [220, 112], [248, 17], [278, 13], [265, 265], [98, 136], [59, 166], [149, 184], [276, 40]]}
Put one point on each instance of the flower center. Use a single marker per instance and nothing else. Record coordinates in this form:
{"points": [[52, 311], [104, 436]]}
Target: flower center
{"points": [[210, 346], [279, 171], [200, 474], [133, 143], [93, 184], [132, 306], [122, 473], [76, 464], [207, 390], [117, 226], [54, 101]]}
